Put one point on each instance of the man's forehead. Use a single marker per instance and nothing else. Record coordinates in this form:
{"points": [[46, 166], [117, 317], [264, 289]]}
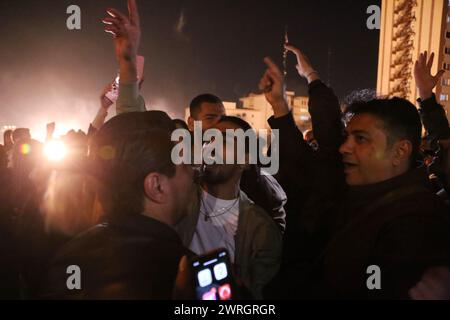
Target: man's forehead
{"points": [[364, 123], [212, 108], [224, 125]]}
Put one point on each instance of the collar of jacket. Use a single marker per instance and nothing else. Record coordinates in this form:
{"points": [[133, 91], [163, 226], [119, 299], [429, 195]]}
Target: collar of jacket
{"points": [[359, 196], [140, 224]]}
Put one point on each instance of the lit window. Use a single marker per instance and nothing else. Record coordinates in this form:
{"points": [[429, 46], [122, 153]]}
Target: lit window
{"points": [[444, 97]]}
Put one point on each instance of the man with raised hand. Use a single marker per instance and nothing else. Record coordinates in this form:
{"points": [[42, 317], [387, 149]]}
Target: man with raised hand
{"points": [[433, 114], [435, 121], [313, 178], [388, 217], [127, 37]]}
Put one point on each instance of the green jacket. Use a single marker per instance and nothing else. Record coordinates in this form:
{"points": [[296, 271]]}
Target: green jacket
{"points": [[129, 99], [258, 242]]}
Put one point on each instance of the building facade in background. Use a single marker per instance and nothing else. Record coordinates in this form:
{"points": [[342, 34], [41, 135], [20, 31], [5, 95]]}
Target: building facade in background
{"points": [[409, 27]]}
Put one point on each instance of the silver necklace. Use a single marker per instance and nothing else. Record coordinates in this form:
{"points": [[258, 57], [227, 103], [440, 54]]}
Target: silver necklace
{"points": [[210, 215]]}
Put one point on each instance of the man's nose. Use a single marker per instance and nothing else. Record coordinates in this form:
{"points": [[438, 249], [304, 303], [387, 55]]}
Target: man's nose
{"points": [[346, 147]]}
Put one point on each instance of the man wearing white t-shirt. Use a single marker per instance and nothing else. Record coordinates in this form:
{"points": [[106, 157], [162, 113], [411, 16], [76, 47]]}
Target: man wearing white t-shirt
{"points": [[223, 216]]}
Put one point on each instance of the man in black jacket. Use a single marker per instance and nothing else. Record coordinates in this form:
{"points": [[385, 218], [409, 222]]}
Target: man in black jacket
{"points": [[134, 253], [387, 217]]}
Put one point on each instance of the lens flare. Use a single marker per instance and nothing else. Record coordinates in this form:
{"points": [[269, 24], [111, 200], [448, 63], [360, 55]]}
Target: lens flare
{"points": [[55, 150], [25, 149]]}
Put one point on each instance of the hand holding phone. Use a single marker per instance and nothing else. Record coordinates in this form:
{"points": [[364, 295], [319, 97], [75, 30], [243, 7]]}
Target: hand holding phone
{"points": [[213, 278], [113, 93]]}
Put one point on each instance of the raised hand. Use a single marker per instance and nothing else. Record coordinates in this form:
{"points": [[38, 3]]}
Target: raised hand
{"points": [[434, 285], [104, 101], [126, 31], [304, 67], [272, 84], [425, 81]]}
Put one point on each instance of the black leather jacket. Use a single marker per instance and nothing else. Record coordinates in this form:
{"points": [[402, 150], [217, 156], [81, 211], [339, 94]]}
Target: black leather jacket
{"points": [[128, 257]]}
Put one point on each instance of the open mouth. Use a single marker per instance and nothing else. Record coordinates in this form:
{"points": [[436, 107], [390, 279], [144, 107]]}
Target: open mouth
{"points": [[349, 166]]}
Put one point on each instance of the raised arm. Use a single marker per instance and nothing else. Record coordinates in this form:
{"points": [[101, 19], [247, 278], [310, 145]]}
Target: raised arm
{"points": [[433, 114], [102, 112], [127, 35], [323, 105], [294, 153]]}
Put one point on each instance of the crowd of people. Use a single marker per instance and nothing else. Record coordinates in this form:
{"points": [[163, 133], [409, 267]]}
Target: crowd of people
{"points": [[367, 186]]}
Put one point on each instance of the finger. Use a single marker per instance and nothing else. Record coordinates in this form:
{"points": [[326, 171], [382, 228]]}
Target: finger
{"points": [[273, 68], [442, 272], [112, 21], [265, 83], [427, 291], [421, 60], [274, 76], [291, 48], [432, 280], [439, 75], [112, 30], [416, 294], [265, 79], [262, 86], [117, 14], [298, 53], [430, 62], [133, 12]]}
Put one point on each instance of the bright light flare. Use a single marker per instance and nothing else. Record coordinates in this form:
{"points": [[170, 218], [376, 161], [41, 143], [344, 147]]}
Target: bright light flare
{"points": [[55, 150]]}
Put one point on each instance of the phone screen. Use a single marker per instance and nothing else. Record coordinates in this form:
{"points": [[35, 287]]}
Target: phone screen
{"points": [[113, 94], [213, 278]]}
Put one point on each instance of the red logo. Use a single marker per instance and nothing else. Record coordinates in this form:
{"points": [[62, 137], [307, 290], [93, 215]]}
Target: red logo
{"points": [[225, 292]]}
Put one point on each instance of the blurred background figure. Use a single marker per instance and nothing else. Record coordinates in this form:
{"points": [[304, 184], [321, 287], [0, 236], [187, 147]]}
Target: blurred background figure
{"points": [[21, 134], [180, 124]]}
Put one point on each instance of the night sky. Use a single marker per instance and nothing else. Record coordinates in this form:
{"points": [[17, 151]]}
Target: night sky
{"points": [[48, 73]]}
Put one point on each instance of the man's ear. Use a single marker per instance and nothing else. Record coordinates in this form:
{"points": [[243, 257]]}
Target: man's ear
{"points": [[191, 123], [403, 151], [155, 187]]}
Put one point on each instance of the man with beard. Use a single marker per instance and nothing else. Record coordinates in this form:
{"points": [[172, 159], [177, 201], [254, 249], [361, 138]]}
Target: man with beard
{"points": [[223, 216]]}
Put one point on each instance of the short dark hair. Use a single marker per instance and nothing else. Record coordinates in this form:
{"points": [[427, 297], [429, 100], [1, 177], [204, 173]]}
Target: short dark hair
{"points": [[242, 124], [400, 118], [196, 103], [7, 136], [180, 124], [20, 134], [124, 152]]}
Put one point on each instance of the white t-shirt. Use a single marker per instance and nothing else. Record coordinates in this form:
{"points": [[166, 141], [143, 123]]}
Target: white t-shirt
{"points": [[216, 226]]}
